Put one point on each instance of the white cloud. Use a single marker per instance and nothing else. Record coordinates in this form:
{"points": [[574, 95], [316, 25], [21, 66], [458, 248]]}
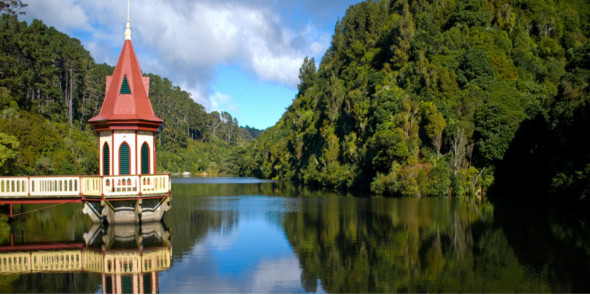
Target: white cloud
{"points": [[271, 276], [211, 34], [186, 40], [222, 102], [63, 14]]}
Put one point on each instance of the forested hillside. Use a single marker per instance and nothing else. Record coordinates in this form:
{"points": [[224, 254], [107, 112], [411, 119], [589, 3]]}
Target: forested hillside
{"points": [[425, 97], [50, 86]]}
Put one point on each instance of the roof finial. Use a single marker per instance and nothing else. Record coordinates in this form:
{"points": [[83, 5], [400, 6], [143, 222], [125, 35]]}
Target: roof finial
{"points": [[128, 26]]}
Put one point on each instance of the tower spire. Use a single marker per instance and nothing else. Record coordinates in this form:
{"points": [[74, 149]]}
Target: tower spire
{"points": [[128, 26]]}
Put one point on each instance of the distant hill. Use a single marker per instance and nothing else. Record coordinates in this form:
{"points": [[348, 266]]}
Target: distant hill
{"points": [[255, 133], [426, 97]]}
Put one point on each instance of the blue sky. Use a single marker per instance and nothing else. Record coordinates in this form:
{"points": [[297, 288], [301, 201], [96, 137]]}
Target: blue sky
{"points": [[242, 57]]}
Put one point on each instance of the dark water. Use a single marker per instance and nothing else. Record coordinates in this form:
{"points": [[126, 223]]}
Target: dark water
{"points": [[227, 235]]}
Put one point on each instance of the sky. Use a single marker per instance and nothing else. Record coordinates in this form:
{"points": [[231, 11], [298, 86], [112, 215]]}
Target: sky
{"points": [[242, 57]]}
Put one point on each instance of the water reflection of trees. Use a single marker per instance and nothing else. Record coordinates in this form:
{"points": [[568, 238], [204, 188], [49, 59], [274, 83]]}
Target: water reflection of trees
{"points": [[405, 245], [54, 223], [282, 188], [551, 241], [384, 245], [64, 223], [77, 282]]}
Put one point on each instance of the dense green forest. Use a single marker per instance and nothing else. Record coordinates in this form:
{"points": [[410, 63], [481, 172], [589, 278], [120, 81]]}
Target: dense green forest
{"points": [[426, 98], [50, 86]]}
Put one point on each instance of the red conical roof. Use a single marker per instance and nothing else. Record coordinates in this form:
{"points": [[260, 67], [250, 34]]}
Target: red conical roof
{"points": [[126, 107]]}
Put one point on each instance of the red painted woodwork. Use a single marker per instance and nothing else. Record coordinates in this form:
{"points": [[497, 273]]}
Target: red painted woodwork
{"points": [[136, 154], [155, 156], [112, 159], [126, 111], [34, 247], [56, 200]]}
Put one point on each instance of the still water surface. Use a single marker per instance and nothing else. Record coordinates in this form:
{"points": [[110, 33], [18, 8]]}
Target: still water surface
{"points": [[236, 235]]}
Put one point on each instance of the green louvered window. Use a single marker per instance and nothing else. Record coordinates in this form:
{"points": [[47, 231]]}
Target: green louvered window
{"points": [[125, 87], [127, 284], [145, 159], [105, 159], [147, 283], [124, 159], [109, 284]]}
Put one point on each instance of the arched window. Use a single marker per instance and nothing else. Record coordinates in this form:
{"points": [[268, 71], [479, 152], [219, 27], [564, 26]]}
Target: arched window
{"points": [[145, 158], [106, 159], [124, 160]]}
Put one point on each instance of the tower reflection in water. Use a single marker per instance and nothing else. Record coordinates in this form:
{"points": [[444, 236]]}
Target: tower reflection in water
{"points": [[129, 257]]}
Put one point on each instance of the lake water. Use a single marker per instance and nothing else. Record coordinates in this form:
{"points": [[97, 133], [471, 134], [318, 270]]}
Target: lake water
{"points": [[237, 235]]}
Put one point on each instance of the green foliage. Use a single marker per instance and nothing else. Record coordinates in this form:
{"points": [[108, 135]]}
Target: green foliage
{"points": [[435, 125], [306, 74], [424, 98], [8, 150], [198, 158], [549, 155], [48, 147], [254, 133], [493, 133], [440, 179], [475, 67]]}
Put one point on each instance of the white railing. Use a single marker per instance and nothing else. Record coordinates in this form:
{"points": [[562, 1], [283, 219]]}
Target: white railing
{"points": [[59, 186], [93, 260], [122, 263], [56, 261], [155, 184], [156, 260], [78, 186], [126, 185], [92, 186], [15, 262], [96, 261], [14, 186]]}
